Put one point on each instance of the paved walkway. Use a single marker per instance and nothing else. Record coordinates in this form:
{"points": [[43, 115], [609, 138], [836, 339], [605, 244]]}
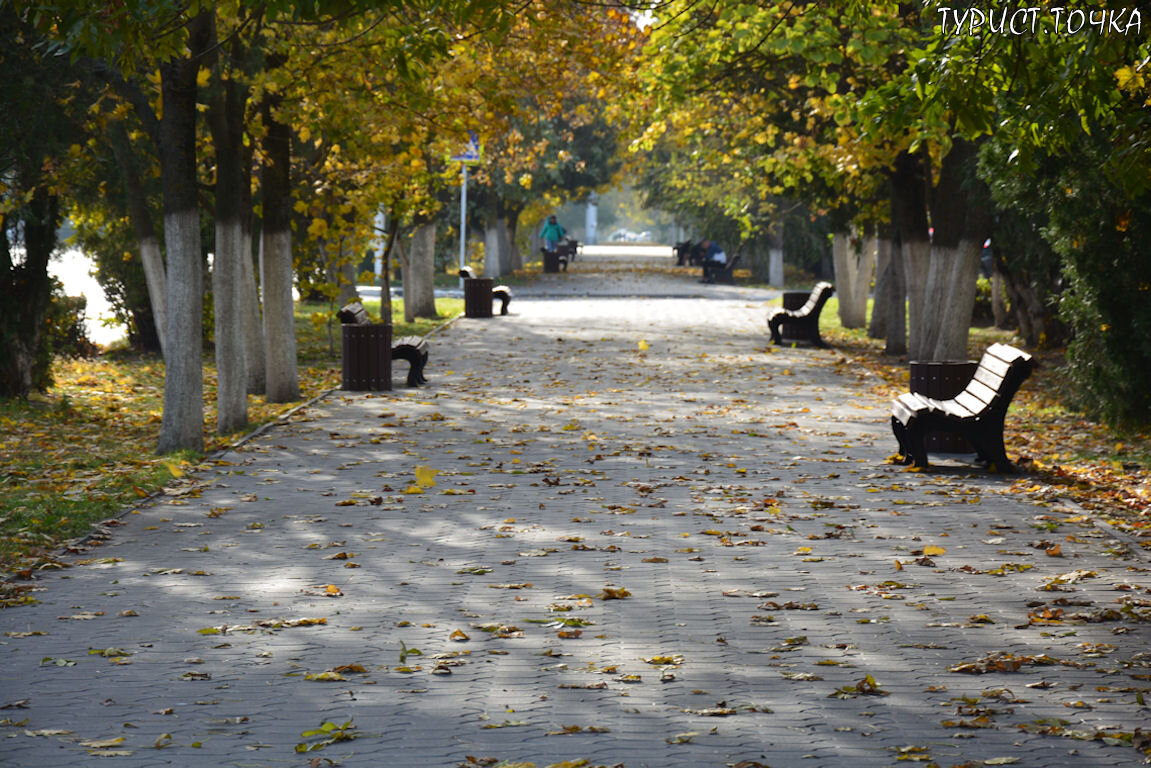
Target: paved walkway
{"points": [[652, 540]]}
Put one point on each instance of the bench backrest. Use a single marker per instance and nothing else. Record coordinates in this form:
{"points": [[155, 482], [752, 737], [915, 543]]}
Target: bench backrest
{"points": [[353, 313], [1001, 371], [819, 296]]}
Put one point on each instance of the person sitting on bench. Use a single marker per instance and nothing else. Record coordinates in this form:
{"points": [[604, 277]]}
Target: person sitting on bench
{"points": [[714, 259]]}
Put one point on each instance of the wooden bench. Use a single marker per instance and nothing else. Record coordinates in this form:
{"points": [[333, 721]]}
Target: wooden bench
{"points": [[687, 254], [411, 348], [501, 292], [805, 319], [682, 253], [976, 413], [568, 249], [722, 273]]}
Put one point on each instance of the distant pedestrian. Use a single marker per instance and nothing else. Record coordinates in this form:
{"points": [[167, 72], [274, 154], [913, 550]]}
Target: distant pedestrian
{"points": [[552, 233], [714, 259]]}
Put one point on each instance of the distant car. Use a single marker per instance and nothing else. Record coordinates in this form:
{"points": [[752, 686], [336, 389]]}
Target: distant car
{"points": [[644, 237], [622, 236]]}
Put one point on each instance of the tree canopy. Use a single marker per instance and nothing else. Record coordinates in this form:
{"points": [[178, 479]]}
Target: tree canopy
{"points": [[286, 127]]}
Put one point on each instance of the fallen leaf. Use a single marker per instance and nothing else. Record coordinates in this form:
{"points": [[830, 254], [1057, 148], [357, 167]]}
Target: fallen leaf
{"points": [[326, 677], [426, 476]]}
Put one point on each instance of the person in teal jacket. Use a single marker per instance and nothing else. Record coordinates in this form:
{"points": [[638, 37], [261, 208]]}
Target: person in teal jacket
{"points": [[552, 233]]}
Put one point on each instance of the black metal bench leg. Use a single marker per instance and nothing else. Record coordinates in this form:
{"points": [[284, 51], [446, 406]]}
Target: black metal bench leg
{"points": [[915, 437], [901, 438], [991, 449], [418, 370]]}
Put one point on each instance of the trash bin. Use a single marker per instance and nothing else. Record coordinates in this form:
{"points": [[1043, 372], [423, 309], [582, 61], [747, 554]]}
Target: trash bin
{"points": [[551, 261], [794, 300], [478, 296], [367, 357], [942, 380]]}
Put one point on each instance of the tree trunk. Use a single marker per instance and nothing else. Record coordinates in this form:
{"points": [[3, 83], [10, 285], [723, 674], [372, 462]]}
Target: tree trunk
{"points": [[391, 240], [182, 426], [998, 301], [419, 274], [139, 215], [775, 276], [511, 222], [253, 322], [276, 258], [505, 241], [226, 117], [346, 273], [24, 360], [493, 266], [854, 261], [877, 328], [958, 268], [909, 220], [896, 306], [960, 215], [250, 292], [250, 296], [1029, 311]]}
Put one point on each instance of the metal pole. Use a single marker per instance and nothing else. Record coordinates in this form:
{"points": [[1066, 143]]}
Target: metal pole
{"points": [[463, 221]]}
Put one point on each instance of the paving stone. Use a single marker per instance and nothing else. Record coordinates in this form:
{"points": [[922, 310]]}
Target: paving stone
{"points": [[737, 491]]}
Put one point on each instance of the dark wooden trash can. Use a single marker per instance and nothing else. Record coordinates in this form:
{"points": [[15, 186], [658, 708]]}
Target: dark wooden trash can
{"points": [[551, 261], [942, 380], [794, 300], [478, 296], [367, 357]]}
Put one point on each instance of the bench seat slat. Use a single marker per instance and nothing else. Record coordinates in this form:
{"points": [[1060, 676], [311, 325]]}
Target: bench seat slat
{"points": [[973, 405], [986, 376], [995, 365], [981, 392]]}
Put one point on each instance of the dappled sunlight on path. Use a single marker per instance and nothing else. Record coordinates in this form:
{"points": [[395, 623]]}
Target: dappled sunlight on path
{"points": [[626, 530]]}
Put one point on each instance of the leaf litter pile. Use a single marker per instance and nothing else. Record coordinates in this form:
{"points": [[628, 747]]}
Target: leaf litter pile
{"points": [[575, 549]]}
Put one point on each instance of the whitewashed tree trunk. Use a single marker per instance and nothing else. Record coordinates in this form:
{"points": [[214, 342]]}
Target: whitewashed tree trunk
{"points": [[182, 426], [253, 322], [916, 265], [896, 306], [227, 294], [877, 326], [157, 290], [420, 273], [957, 271], [279, 316], [493, 266], [775, 267], [507, 258], [276, 261], [854, 259]]}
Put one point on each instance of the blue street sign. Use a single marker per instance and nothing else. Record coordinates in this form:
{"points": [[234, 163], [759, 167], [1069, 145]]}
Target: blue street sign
{"points": [[473, 153]]}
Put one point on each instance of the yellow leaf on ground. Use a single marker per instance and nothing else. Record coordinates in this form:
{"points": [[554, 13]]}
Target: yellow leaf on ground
{"points": [[932, 550], [426, 476], [326, 677]]}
